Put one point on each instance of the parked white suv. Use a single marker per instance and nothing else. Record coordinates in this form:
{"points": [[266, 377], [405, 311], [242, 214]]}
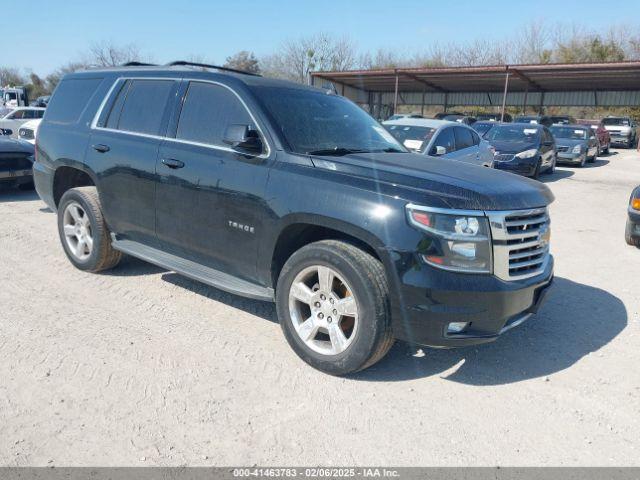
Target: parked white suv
{"points": [[621, 129], [28, 131], [13, 118]]}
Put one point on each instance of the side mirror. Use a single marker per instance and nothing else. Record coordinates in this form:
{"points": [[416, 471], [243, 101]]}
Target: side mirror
{"points": [[243, 138], [440, 150]]}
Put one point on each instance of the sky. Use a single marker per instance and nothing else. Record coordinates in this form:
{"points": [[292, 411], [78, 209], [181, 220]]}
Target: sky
{"points": [[59, 31]]}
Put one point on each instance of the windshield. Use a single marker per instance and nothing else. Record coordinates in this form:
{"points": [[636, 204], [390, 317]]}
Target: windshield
{"points": [[561, 120], [483, 128], [622, 122], [412, 137], [570, 132], [314, 121], [513, 133]]}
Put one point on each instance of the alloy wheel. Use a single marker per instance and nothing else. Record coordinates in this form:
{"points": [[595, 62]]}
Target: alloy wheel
{"points": [[323, 309], [77, 231]]}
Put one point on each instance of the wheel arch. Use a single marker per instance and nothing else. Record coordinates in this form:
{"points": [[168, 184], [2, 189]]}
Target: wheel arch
{"points": [[299, 230], [70, 175]]}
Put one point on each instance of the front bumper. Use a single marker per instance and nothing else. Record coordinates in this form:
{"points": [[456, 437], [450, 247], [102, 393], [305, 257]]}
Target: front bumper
{"points": [[572, 158], [432, 298], [15, 176], [526, 168], [632, 230], [625, 140]]}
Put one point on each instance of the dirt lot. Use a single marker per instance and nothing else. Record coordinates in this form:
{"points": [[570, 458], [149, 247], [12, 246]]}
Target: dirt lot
{"points": [[143, 367]]}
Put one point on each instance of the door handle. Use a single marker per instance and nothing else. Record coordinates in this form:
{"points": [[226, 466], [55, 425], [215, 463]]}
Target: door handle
{"points": [[100, 147], [172, 163]]}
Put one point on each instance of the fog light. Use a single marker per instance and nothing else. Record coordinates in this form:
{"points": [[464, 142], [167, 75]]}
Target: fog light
{"points": [[456, 327]]}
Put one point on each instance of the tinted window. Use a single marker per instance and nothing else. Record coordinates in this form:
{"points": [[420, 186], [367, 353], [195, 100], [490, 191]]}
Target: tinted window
{"points": [[39, 113], [70, 99], [444, 139], [570, 132], [116, 108], [483, 127], [144, 106], [464, 139], [207, 112]]}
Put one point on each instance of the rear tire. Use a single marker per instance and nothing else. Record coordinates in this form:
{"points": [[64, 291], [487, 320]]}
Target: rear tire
{"points": [[84, 235], [307, 299]]}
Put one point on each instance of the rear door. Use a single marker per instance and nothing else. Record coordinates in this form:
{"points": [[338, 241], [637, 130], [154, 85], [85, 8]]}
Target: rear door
{"points": [[210, 205], [124, 148]]}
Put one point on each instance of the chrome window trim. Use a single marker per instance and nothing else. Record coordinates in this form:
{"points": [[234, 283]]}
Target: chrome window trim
{"points": [[94, 122]]}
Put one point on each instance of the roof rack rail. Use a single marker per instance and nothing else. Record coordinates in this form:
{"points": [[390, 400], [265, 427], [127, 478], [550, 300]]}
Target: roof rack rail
{"points": [[138, 64], [206, 65]]}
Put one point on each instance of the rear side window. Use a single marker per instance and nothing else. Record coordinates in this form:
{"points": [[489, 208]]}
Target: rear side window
{"points": [[464, 139], [207, 111], [70, 99], [143, 103]]}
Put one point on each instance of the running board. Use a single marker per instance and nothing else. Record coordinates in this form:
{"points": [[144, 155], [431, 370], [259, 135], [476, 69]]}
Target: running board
{"points": [[193, 270]]}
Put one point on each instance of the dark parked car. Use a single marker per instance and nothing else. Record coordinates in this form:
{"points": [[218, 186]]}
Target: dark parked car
{"points": [[539, 119], [525, 149], [464, 119], [493, 117], [483, 127], [622, 130], [632, 230], [442, 115], [562, 120], [16, 162], [602, 134], [287, 193], [576, 144]]}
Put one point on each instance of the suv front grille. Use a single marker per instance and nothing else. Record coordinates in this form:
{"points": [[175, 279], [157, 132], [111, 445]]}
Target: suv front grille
{"points": [[520, 242], [562, 148]]}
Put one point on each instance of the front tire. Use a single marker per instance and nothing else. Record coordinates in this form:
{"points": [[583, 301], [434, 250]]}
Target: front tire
{"points": [[83, 231], [332, 300]]}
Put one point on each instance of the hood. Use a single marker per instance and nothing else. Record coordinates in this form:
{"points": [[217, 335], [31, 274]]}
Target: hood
{"points": [[440, 182], [511, 146], [570, 142], [11, 145]]}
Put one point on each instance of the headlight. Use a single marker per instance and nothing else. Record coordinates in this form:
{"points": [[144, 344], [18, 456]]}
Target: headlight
{"points": [[527, 153], [454, 240], [577, 149]]}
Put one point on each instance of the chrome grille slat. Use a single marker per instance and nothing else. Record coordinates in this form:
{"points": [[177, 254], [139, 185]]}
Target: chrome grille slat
{"points": [[520, 247]]}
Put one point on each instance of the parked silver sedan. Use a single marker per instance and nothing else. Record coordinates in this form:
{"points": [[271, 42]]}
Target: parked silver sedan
{"points": [[441, 138]]}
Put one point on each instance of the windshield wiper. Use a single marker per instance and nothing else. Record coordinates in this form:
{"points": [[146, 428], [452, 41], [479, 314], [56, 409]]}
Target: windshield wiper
{"points": [[336, 151], [389, 150]]}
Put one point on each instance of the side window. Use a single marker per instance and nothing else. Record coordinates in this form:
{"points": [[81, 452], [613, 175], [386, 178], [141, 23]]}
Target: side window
{"points": [[207, 111], [70, 99], [30, 114], [116, 108], [39, 113], [17, 115], [463, 138], [444, 139], [144, 106], [476, 137]]}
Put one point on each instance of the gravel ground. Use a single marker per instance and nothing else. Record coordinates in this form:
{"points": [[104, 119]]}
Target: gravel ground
{"points": [[140, 366]]}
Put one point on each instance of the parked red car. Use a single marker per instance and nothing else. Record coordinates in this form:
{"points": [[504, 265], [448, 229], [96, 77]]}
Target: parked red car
{"points": [[604, 138]]}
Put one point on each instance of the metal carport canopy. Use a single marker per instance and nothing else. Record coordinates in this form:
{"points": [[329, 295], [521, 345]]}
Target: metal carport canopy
{"points": [[528, 78]]}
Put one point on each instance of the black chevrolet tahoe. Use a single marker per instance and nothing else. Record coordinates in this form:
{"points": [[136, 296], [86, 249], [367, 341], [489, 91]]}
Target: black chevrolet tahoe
{"points": [[288, 193]]}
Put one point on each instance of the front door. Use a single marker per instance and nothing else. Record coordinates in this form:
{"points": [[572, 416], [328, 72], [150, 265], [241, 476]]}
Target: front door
{"points": [[209, 199]]}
